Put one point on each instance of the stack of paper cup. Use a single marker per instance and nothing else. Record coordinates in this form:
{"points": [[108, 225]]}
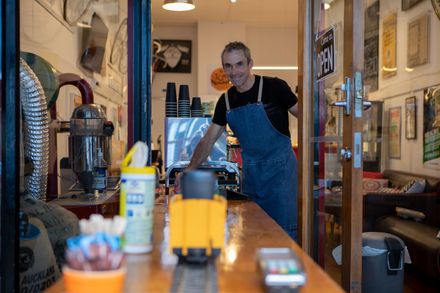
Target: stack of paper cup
{"points": [[196, 107], [171, 100], [183, 103]]}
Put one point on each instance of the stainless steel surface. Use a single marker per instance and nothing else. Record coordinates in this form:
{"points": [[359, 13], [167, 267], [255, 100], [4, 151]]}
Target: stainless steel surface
{"points": [[36, 130], [88, 111], [225, 166], [87, 135], [346, 104], [83, 151], [367, 105], [346, 154]]}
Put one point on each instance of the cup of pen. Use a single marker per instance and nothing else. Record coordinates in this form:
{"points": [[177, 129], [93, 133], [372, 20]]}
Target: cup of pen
{"points": [[95, 261]]}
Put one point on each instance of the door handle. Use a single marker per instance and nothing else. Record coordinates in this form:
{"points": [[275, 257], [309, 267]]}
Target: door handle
{"points": [[345, 87], [346, 154], [339, 104], [367, 105]]}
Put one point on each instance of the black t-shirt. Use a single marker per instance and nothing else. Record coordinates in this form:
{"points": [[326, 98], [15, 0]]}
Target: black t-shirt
{"points": [[277, 98]]}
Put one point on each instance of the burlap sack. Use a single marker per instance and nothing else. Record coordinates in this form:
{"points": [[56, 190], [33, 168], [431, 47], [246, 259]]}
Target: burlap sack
{"points": [[37, 263]]}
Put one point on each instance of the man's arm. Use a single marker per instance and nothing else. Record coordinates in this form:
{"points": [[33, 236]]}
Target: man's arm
{"points": [[294, 110], [204, 147], [286, 98]]}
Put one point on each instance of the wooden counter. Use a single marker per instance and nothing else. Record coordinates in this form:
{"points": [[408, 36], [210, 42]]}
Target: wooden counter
{"points": [[249, 228]]}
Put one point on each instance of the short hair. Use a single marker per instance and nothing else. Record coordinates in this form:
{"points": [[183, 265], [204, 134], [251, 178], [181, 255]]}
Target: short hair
{"points": [[237, 46]]}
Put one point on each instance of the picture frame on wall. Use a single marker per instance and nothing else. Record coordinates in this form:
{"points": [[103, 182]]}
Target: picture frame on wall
{"points": [[418, 45], [407, 4], [436, 6], [389, 36], [431, 127], [394, 144], [371, 46], [172, 56], [411, 118]]}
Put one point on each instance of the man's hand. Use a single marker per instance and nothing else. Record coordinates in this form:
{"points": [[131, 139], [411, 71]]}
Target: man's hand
{"points": [[204, 146]]}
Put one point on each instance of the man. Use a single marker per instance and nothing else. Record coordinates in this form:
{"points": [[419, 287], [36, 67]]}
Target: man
{"points": [[258, 116]]}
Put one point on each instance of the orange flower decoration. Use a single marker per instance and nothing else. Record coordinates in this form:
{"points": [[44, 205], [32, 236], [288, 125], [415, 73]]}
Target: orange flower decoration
{"points": [[219, 80]]}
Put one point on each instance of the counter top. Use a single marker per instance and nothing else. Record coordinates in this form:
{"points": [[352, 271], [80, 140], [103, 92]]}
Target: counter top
{"points": [[249, 228]]}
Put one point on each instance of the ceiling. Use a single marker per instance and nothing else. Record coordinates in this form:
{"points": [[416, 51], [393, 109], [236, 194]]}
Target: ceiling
{"points": [[256, 13]]}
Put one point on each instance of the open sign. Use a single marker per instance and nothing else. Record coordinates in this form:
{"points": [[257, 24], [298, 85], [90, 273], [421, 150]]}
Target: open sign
{"points": [[325, 54]]}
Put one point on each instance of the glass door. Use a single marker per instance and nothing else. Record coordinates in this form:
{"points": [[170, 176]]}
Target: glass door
{"points": [[334, 128], [355, 48]]}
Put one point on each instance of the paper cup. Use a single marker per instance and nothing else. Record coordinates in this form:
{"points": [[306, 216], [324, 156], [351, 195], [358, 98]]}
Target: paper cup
{"points": [[196, 104], [183, 92], [171, 92], [76, 281]]}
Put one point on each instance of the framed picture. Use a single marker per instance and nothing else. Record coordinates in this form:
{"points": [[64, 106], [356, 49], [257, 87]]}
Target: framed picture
{"points": [[436, 6], [394, 144], [371, 47], [172, 56], [411, 118], [389, 35], [407, 4], [431, 128], [418, 45]]}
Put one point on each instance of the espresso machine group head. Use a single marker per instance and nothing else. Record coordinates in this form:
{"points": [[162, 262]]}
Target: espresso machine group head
{"points": [[90, 133]]}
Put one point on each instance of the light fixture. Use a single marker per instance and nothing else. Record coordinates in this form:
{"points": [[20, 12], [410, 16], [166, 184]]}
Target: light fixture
{"points": [[389, 69], [275, 68], [327, 4], [83, 24], [178, 5]]}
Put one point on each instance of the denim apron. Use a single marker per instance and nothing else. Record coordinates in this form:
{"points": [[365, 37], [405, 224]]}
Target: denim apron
{"points": [[269, 164]]}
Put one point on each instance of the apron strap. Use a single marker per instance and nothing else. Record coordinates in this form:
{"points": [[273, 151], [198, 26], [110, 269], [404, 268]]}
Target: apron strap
{"points": [[227, 101], [260, 89]]}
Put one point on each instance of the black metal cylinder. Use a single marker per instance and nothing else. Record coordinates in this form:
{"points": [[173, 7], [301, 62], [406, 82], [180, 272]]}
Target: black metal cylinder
{"points": [[198, 184]]}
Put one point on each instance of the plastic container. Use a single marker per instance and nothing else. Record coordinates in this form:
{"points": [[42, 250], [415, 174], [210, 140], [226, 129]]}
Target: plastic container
{"points": [[137, 204], [94, 281]]}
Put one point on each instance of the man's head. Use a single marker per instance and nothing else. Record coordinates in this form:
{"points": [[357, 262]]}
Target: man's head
{"points": [[237, 46], [237, 64]]}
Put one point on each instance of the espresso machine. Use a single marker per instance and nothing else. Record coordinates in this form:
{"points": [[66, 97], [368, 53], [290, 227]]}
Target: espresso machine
{"points": [[89, 142]]}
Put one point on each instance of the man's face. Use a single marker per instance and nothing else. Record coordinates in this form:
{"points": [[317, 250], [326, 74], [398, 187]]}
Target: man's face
{"points": [[237, 67]]}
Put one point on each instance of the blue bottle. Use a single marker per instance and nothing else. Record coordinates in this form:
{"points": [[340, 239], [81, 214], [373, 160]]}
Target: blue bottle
{"points": [[100, 172]]}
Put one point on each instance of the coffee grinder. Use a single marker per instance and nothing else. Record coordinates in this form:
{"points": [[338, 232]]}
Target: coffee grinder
{"points": [[89, 143]]}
